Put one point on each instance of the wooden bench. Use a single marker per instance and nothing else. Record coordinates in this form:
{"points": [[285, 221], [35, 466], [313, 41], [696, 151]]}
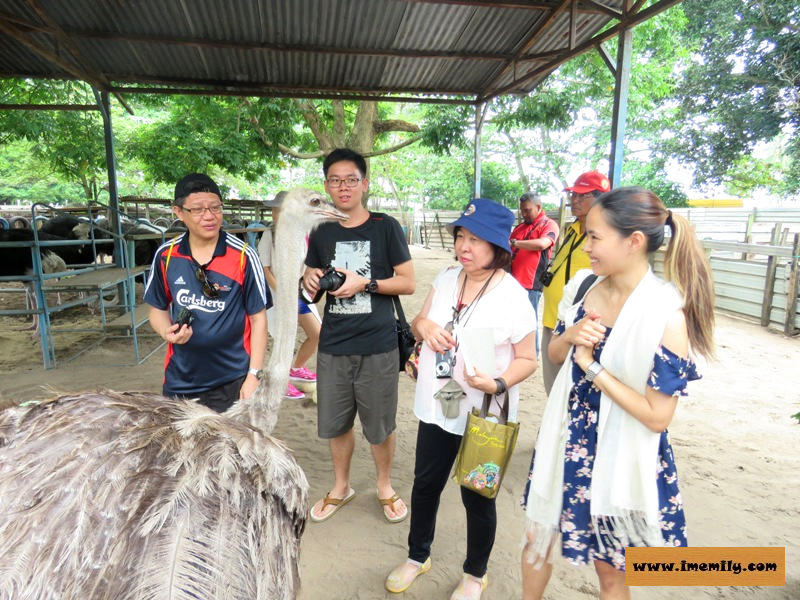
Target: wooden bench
{"points": [[141, 315], [93, 280]]}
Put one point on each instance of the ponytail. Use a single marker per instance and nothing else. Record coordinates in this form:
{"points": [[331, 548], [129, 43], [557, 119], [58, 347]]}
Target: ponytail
{"points": [[630, 209], [686, 265]]}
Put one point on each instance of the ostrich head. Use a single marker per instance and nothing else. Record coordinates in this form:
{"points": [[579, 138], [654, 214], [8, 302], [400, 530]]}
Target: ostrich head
{"points": [[301, 212]]}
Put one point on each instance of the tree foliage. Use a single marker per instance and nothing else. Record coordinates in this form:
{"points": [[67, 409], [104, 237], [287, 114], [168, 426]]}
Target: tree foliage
{"points": [[70, 142], [742, 86], [711, 81]]}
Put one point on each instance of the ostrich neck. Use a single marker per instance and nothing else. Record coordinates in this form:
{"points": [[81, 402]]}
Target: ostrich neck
{"points": [[287, 259]]}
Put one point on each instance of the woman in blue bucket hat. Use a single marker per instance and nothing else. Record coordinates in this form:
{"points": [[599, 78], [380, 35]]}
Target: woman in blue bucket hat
{"points": [[476, 300]]}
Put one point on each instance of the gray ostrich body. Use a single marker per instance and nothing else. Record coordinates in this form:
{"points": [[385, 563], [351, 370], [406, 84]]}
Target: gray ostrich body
{"points": [[110, 495]]}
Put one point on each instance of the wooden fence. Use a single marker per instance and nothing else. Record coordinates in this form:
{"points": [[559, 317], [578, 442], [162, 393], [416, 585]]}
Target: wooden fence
{"points": [[753, 254]]}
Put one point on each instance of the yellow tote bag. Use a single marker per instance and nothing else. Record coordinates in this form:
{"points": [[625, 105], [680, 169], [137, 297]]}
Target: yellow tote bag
{"points": [[486, 449]]}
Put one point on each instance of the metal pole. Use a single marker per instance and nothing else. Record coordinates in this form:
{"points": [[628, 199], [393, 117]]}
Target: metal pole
{"points": [[621, 84], [791, 289], [479, 115], [111, 167]]}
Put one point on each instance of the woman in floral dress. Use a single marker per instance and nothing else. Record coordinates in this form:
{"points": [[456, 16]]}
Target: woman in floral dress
{"points": [[603, 475]]}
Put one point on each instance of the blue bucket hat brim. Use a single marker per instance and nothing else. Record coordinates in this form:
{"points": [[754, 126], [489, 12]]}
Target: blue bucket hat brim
{"points": [[488, 220]]}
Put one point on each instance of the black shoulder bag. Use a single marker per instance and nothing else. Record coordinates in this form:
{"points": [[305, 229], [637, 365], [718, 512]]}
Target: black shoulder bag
{"points": [[405, 339]]}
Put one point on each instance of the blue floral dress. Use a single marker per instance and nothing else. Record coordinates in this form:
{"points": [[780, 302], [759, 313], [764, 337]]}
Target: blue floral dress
{"points": [[579, 545]]}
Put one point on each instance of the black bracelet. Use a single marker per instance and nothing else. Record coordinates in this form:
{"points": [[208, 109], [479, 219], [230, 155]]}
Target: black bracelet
{"points": [[501, 386]]}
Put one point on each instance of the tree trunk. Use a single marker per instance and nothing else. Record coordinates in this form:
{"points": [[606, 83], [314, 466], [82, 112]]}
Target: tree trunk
{"points": [[518, 159]]}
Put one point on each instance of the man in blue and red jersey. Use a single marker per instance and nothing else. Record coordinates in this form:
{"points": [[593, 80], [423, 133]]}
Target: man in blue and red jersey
{"points": [[219, 279], [531, 243]]}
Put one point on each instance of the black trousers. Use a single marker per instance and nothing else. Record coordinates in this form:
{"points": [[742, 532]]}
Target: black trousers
{"points": [[220, 398], [437, 450]]}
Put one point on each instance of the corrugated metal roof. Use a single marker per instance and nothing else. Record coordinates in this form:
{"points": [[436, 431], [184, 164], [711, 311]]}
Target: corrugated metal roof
{"points": [[475, 49]]}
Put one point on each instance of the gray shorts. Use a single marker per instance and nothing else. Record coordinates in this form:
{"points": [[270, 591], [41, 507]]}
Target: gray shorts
{"points": [[352, 384]]}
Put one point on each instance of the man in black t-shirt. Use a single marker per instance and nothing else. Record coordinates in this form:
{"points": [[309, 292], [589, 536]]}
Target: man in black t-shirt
{"points": [[358, 357]]}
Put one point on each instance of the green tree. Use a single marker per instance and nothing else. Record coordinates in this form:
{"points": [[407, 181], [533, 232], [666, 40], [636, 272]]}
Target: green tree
{"points": [[246, 137], [742, 86], [70, 142]]}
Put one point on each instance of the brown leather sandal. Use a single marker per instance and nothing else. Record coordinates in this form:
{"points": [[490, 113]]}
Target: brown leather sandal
{"points": [[337, 503], [390, 503]]}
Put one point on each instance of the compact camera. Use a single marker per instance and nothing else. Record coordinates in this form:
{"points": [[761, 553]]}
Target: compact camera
{"points": [[185, 317], [444, 363], [546, 278]]}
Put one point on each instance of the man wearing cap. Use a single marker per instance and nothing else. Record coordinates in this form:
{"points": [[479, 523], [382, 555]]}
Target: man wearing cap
{"points": [[218, 279], [357, 361], [568, 260], [531, 242]]}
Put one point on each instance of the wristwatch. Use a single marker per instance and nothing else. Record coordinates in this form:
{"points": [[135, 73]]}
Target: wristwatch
{"points": [[371, 287], [593, 370], [254, 372], [512, 242], [501, 386]]}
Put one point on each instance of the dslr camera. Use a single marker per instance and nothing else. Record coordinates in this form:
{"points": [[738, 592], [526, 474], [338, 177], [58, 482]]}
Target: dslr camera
{"points": [[330, 281], [546, 278], [444, 363]]}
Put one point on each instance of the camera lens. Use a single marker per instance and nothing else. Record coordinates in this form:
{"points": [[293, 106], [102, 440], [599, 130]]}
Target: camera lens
{"points": [[331, 281]]}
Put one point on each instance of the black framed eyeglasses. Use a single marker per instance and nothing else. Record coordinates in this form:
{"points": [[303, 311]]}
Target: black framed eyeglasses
{"points": [[209, 291], [335, 182], [198, 212]]}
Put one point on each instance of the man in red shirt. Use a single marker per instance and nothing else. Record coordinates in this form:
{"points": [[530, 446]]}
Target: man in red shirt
{"points": [[531, 243]]}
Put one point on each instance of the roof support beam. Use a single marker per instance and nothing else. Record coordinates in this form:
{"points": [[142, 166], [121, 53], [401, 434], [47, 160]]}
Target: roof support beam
{"points": [[611, 12], [48, 107], [629, 21], [532, 39], [23, 22], [586, 6], [573, 25], [612, 66], [47, 54], [271, 93], [293, 48], [64, 40]]}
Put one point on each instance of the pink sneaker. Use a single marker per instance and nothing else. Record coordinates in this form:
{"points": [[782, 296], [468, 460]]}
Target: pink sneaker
{"points": [[302, 374], [294, 393]]}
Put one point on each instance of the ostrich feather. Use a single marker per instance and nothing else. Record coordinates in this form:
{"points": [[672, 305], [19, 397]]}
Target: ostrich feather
{"points": [[131, 496]]}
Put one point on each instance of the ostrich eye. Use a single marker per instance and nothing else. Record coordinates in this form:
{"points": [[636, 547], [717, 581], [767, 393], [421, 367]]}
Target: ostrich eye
{"points": [[314, 202]]}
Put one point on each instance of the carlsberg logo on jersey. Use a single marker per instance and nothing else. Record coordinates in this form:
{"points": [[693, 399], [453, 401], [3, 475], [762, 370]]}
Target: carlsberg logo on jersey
{"points": [[195, 302]]}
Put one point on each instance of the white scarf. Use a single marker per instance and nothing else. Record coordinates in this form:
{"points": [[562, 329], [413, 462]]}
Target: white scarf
{"points": [[624, 492]]}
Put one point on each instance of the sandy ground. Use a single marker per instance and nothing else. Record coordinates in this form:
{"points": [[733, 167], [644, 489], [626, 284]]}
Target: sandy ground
{"points": [[735, 444]]}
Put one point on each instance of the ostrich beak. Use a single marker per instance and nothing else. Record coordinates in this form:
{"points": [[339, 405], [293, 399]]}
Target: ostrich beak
{"points": [[326, 211]]}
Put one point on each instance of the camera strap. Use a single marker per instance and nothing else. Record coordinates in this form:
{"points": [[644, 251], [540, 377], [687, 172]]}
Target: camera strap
{"points": [[568, 258]]}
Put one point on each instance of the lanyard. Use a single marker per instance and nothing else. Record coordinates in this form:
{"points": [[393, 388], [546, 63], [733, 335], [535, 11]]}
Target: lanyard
{"points": [[460, 311]]}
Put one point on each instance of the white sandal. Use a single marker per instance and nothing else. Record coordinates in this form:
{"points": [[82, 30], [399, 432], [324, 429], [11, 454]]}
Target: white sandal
{"points": [[459, 594], [397, 584]]}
